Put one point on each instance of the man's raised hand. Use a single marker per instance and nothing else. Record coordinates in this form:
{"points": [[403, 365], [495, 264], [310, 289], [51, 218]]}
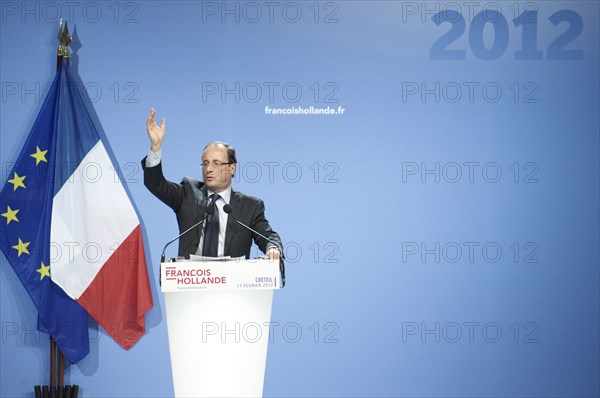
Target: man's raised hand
{"points": [[156, 133]]}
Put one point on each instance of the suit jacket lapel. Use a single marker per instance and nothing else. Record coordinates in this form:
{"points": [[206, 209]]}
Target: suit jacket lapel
{"points": [[234, 202], [201, 205], [199, 198]]}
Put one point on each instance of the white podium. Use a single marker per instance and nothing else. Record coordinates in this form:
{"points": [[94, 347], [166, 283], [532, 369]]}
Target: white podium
{"points": [[218, 320]]}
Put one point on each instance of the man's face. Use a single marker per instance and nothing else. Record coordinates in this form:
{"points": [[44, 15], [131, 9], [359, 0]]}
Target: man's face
{"points": [[216, 171]]}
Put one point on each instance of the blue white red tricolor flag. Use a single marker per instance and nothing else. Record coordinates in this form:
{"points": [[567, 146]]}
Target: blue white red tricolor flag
{"points": [[69, 230]]}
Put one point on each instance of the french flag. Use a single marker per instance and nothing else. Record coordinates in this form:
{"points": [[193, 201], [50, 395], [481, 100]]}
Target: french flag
{"points": [[95, 233]]}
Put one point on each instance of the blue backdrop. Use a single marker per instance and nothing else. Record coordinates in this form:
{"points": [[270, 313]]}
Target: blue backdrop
{"points": [[441, 228]]}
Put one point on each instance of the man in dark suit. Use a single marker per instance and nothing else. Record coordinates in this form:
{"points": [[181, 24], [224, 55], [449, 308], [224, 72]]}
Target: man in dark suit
{"points": [[190, 199]]}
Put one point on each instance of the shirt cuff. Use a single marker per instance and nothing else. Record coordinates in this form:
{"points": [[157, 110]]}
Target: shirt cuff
{"points": [[272, 246], [153, 158]]}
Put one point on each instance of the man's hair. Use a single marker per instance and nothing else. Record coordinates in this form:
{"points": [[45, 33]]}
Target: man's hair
{"points": [[231, 158]]}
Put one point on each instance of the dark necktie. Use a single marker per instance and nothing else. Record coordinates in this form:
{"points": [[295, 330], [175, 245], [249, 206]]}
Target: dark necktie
{"points": [[211, 232]]}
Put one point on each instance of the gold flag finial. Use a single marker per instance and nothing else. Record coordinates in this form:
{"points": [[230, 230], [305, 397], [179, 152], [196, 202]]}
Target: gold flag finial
{"points": [[60, 32], [65, 40]]}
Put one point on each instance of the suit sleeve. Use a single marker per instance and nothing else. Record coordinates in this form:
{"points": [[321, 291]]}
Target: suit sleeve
{"points": [[260, 224], [168, 192]]}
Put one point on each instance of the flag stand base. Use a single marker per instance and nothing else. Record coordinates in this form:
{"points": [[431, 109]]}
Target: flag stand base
{"points": [[57, 388], [56, 392]]}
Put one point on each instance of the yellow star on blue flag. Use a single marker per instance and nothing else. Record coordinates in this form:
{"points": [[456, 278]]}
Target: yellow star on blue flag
{"points": [[39, 155], [17, 181], [11, 215], [44, 270], [21, 247]]}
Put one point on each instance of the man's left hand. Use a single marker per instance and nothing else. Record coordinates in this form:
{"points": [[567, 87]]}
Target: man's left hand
{"points": [[273, 253]]}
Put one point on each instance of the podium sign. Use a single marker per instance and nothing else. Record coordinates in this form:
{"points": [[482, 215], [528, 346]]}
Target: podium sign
{"points": [[234, 274], [218, 320]]}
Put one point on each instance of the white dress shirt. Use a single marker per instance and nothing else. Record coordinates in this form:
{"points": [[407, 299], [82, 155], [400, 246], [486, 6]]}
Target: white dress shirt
{"points": [[219, 203]]}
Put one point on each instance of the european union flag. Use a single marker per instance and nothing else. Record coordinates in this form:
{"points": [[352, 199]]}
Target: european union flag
{"points": [[25, 222]]}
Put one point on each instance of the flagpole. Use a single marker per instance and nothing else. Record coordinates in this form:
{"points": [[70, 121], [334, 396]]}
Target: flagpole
{"points": [[64, 39], [53, 349], [59, 52], [52, 363], [61, 374]]}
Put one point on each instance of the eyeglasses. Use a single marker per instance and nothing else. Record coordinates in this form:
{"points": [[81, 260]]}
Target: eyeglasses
{"points": [[216, 164]]}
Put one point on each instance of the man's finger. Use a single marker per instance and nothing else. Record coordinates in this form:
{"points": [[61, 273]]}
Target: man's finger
{"points": [[163, 122], [150, 120]]}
